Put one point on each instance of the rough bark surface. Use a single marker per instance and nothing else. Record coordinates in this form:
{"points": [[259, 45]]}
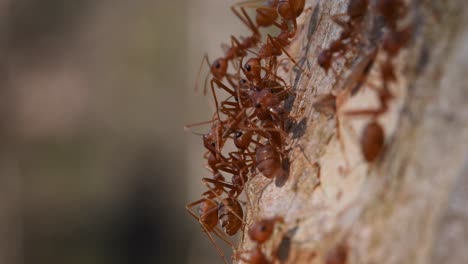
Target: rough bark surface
{"points": [[408, 206]]}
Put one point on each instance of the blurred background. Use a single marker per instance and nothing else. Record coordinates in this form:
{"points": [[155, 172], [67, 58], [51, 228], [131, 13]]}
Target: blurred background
{"points": [[95, 166]]}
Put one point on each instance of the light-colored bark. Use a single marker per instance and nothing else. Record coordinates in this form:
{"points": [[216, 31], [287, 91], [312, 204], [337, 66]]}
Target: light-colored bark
{"points": [[408, 207]]}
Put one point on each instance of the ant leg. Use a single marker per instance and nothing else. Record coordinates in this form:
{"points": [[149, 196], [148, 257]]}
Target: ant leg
{"points": [[249, 3], [265, 129], [245, 18], [219, 233], [278, 46], [222, 86], [232, 187], [235, 42], [204, 59], [205, 229], [230, 78], [215, 99], [187, 127], [237, 119], [231, 109], [218, 183], [251, 24], [364, 112]]}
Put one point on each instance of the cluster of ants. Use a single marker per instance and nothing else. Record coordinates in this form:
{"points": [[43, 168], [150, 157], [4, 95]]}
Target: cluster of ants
{"points": [[253, 116]]}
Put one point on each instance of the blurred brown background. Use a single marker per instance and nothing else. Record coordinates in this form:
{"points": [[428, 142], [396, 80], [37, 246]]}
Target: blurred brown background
{"points": [[95, 165]]}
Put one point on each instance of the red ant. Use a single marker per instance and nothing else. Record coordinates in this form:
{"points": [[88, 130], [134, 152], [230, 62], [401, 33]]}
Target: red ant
{"points": [[228, 211], [210, 211], [373, 135], [238, 49], [356, 11], [290, 10]]}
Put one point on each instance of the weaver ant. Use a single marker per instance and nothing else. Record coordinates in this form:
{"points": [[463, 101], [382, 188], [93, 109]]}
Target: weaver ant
{"points": [[210, 212], [356, 11], [219, 67], [373, 135]]}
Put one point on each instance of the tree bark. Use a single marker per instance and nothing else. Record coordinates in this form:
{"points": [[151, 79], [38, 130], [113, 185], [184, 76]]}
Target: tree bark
{"points": [[406, 207]]}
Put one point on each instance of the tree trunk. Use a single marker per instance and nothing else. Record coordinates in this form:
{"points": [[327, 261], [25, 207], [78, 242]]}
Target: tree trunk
{"points": [[405, 207]]}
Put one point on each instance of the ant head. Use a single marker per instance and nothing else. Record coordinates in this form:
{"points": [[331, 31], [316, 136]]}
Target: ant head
{"points": [[209, 142], [242, 140], [252, 69], [219, 68], [261, 230]]}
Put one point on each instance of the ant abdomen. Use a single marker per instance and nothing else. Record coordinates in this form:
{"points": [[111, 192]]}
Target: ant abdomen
{"points": [[230, 215], [372, 141], [208, 212], [268, 161]]}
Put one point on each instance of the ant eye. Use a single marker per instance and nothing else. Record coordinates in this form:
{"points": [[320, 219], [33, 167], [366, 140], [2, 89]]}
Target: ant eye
{"points": [[217, 65], [243, 81], [263, 228], [247, 67], [213, 144], [257, 105], [238, 134]]}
